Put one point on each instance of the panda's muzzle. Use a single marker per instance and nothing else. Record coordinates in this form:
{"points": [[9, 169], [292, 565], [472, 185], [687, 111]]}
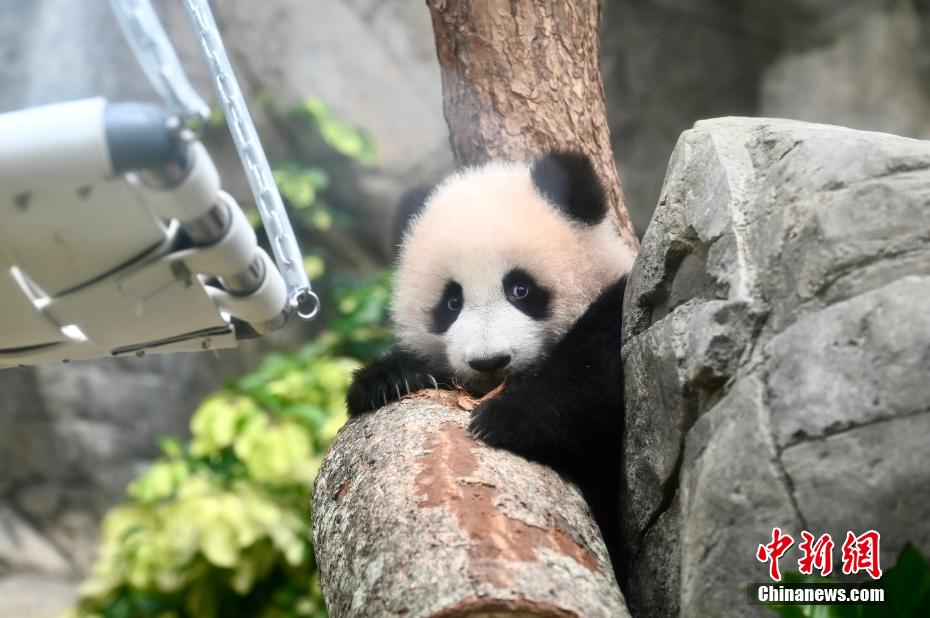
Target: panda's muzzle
{"points": [[491, 364]]}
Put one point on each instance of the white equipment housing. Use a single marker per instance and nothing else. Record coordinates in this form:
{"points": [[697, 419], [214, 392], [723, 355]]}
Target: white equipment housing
{"points": [[116, 238]]}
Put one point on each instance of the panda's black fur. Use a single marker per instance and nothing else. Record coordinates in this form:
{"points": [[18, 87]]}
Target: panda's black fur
{"points": [[566, 409]]}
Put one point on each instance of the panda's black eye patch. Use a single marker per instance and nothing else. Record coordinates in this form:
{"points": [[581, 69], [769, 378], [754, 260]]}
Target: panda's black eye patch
{"points": [[526, 294], [447, 308]]}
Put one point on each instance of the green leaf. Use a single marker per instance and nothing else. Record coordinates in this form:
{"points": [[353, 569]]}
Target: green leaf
{"points": [[219, 545], [314, 266], [907, 584]]}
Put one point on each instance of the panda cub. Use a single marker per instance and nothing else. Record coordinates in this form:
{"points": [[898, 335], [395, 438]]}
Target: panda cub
{"points": [[515, 272]]}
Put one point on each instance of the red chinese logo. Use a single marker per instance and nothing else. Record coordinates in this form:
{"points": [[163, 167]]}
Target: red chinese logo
{"points": [[773, 551], [819, 554], [860, 553]]}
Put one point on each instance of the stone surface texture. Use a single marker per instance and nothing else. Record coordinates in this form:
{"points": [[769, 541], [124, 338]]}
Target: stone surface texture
{"points": [[856, 63], [776, 341], [35, 596]]}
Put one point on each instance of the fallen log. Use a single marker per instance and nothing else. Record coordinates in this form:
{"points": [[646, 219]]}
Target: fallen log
{"points": [[413, 517]]}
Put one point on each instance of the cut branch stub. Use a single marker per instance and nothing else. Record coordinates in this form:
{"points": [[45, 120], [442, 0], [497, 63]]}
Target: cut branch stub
{"points": [[413, 517]]}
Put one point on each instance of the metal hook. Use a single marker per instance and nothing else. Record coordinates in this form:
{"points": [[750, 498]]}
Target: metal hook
{"points": [[306, 304]]}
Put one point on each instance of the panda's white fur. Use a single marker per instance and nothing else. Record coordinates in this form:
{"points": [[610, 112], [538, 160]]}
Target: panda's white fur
{"points": [[475, 227]]}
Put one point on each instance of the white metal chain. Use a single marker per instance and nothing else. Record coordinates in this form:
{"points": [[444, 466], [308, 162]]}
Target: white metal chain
{"points": [[155, 53]]}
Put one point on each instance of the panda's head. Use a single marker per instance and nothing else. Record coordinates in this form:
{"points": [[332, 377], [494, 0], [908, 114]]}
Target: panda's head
{"points": [[500, 261]]}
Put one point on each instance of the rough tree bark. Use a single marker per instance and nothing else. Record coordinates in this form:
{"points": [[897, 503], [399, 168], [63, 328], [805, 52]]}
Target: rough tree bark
{"points": [[412, 517], [519, 78]]}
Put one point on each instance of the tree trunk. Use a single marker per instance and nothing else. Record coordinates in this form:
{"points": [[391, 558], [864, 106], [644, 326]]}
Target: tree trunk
{"points": [[519, 78], [413, 517]]}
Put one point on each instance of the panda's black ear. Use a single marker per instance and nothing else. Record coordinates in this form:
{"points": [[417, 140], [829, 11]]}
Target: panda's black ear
{"points": [[408, 207], [569, 181]]}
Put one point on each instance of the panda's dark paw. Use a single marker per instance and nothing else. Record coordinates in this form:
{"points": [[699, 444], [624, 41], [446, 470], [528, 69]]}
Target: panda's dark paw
{"points": [[497, 422], [385, 381]]}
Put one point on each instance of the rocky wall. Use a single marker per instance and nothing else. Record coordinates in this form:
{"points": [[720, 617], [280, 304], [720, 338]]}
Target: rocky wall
{"points": [[776, 343]]}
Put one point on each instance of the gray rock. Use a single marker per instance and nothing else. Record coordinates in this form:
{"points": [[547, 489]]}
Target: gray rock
{"points": [[873, 475], [776, 341], [22, 547], [857, 54], [732, 494], [74, 435], [654, 430], [855, 63], [31, 595], [857, 362], [656, 579]]}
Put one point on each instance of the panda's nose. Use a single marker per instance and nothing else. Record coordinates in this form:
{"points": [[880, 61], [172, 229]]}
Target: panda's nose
{"points": [[490, 364]]}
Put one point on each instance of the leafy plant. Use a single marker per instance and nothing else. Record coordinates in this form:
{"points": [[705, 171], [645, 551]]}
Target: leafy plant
{"points": [[906, 585], [339, 135], [301, 185], [220, 526]]}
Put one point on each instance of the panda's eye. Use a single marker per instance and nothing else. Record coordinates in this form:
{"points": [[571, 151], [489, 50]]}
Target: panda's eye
{"points": [[526, 294], [519, 291], [447, 308]]}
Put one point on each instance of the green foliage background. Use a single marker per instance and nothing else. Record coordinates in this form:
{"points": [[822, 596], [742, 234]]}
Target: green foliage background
{"points": [[220, 525]]}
